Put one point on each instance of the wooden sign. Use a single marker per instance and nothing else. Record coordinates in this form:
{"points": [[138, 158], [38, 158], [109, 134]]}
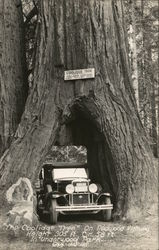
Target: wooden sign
{"points": [[79, 74]]}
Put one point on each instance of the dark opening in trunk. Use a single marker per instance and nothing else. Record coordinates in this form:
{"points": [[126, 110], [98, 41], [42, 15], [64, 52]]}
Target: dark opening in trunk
{"points": [[83, 129]]}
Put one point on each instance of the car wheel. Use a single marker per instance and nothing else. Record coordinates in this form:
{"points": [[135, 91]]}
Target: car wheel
{"points": [[106, 214], [39, 212], [53, 213]]}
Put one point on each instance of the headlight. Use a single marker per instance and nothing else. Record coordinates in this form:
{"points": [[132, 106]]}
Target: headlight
{"points": [[93, 188], [69, 189]]}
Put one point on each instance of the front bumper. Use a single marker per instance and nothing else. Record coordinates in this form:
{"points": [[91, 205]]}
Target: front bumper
{"points": [[83, 208]]}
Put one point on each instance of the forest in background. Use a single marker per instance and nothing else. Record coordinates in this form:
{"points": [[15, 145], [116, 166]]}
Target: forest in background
{"points": [[143, 26]]}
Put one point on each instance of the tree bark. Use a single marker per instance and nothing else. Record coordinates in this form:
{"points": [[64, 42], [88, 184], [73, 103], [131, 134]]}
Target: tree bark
{"points": [[133, 53], [13, 82], [153, 132], [99, 113]]}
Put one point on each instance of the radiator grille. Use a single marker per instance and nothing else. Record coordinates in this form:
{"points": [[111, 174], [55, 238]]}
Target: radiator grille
{"points": [[81, 199]]}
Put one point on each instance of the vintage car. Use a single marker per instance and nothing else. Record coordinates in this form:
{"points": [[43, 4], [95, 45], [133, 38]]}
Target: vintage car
{"points": [[66, 188]]}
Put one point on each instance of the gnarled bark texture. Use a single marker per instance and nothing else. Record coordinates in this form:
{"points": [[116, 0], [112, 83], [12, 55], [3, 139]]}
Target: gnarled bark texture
{"points": [[99, 113], [13, 84]]}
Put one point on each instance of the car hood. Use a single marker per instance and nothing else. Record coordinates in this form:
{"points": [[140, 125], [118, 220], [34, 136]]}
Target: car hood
{"points": [[74, 180]]}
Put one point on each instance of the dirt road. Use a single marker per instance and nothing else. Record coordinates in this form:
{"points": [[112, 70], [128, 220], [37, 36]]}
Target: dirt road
{"points": [[79, 232]]}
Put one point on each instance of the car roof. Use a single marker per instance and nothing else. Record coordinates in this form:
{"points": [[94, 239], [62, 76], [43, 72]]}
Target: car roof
{"points": [[64, 165]]}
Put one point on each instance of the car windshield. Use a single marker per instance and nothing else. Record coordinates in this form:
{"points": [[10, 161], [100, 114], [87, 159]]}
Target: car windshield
{"points": [[69, 173]]}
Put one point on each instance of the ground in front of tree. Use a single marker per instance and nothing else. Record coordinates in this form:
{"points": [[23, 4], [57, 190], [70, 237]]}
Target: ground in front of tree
{"points": [[79, 232]]}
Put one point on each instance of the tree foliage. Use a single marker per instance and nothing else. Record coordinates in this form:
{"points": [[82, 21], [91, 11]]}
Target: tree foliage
{"points": [[146, 29]]}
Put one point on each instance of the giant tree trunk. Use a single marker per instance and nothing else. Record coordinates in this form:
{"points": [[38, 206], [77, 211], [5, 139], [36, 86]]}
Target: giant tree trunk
{"points": [[133, 52], [99, 113], [13, 87]]}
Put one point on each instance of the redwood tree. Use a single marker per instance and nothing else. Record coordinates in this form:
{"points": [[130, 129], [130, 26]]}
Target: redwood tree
{"points": [[13, 80], [100, 113]]}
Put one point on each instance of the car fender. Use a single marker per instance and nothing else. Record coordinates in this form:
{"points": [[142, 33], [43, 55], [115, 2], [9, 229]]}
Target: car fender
{"points": [[49, 196], [101, 196], [55, 196], [60, 198]]}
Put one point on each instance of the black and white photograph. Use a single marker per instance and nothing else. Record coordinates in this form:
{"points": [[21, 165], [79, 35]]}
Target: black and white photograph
{"points": [[79, 124]]}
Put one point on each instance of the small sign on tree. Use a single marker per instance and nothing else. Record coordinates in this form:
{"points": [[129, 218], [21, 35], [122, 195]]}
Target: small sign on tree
{"points": [[79, 74]]}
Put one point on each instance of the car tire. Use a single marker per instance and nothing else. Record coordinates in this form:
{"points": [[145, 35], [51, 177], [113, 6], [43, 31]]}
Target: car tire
{"points": [[53, 213], [39, 211], [106, 214], [40, 214]]}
